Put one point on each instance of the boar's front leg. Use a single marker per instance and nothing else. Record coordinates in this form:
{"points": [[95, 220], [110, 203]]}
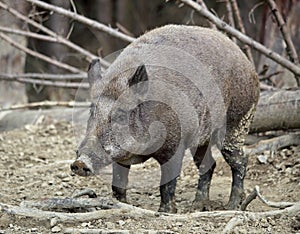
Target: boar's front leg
{"points": [[170, 170], [120, 181]]}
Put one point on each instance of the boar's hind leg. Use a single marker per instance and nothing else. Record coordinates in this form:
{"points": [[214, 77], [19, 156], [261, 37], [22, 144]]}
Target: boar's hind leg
{"points": [[206, 165], [235, 157], [120, 181]]}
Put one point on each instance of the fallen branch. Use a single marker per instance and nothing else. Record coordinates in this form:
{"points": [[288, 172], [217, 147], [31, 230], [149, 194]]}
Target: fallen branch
{"points": [[113, 231], [243, 38], [255, 193], [69, 203], [46, 104], [91, 23], [273, 144], [241, 27], [39, 55], [136, 212]]}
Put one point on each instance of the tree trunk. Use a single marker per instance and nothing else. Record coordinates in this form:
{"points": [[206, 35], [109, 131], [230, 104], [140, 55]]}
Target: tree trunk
{"points": [[12, 60], [277, 110]]}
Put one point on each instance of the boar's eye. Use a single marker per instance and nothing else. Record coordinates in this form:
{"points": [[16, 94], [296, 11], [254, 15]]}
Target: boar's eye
{"points": [[119, 116]]}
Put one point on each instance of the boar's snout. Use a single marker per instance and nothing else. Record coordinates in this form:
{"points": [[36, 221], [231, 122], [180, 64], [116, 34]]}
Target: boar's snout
{"points": [[80, 168]]}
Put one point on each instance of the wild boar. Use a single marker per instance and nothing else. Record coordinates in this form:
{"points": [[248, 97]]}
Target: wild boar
{"points": [[172, 89]]}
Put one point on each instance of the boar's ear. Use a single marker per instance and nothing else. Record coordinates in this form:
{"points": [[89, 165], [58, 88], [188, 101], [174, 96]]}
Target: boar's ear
{"points": [[94, 72], [140, 75]]}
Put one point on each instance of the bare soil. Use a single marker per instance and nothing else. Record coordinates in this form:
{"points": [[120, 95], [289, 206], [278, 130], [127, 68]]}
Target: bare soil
{"points": [[35, 164]]}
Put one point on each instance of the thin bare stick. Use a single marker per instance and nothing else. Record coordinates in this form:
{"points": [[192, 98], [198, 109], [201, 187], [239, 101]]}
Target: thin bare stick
{"points": [[266, 77], [46, 104], [256, 193], [84, 20], [241, 27], [251, 17], [43, 76], [243, 38], [39, 55], [230, 17], [124, 30], [290, 48], [27, 34], [59, 39], [202, 3], [266, 87]]}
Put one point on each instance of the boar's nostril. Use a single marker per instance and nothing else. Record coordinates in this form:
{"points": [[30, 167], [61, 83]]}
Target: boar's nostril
{"points": [[80, 168]]}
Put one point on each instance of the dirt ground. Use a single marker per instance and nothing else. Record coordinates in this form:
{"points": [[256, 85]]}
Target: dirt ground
{"points": [[35, 165]]}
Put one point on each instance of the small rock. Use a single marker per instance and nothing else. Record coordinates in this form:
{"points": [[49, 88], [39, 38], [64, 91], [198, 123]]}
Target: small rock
{"points": [[59, 193], [34, 230], [262, 158], [56, 229], [50, 182], [84, 224], [121, 222], [53, 222]]}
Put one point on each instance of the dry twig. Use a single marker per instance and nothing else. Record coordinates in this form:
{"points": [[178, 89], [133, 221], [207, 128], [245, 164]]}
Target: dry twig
{"points": [[61, 84], [243, 38], [39, 55], [202, 3], [43, 76], [266, 77], [290, 48], [84, 20], [230, 17], [241, 27], [59, 39], [255, 193]]}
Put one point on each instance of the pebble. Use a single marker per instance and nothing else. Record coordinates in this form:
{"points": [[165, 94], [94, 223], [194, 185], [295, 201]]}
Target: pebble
{"points": [[59, 193], [56, 229], [53, 222], [121, 222]]}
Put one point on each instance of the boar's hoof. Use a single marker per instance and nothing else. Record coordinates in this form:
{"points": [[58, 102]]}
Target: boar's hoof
{"points": [[80, 168], [206, 205], [168, 208], [237, 196]]}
